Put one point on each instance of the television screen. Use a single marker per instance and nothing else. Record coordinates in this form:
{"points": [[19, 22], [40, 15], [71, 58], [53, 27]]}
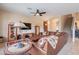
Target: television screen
{"points": [[28, 26]]}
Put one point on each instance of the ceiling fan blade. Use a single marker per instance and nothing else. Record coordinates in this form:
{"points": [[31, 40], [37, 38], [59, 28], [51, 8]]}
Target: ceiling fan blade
{"points": [[32, 12], [42, 12]]}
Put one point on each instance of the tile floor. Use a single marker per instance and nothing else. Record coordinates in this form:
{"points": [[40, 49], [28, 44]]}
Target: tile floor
{"points": [[2, 50], [69, 49]]}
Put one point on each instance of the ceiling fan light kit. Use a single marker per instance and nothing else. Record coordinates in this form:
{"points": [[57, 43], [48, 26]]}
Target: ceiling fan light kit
{"points": [[38, 13]]}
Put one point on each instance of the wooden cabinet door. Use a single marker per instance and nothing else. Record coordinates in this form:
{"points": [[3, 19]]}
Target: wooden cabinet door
{"points": [[37, 30], [45, 25]]}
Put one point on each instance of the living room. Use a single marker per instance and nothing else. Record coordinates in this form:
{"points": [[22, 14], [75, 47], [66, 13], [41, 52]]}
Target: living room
{"points": [[40, 25]]}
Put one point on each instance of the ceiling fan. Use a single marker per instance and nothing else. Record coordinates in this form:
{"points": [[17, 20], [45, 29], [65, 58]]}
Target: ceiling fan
{"points": [[38, 12]]}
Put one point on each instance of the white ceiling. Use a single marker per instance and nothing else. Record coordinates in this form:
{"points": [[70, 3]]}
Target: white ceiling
{"points": [[53, 9]]}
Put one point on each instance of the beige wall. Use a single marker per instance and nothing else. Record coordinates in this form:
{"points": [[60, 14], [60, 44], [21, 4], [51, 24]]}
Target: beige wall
{"points": [[0, 23], [77, 20], [77, 23], [7, 17], [55, 24]]}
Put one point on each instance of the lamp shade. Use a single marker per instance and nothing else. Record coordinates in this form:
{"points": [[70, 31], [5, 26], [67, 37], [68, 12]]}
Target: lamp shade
{"points": [[20, 24], [23, 25], [17, 24]]}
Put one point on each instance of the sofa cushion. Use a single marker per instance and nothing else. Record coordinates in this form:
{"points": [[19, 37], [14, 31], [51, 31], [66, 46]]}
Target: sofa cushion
{"points": [[53, 40], [42, 42]]}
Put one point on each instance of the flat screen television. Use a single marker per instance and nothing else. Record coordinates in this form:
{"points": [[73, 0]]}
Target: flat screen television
{"points": [[28, 26]]}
